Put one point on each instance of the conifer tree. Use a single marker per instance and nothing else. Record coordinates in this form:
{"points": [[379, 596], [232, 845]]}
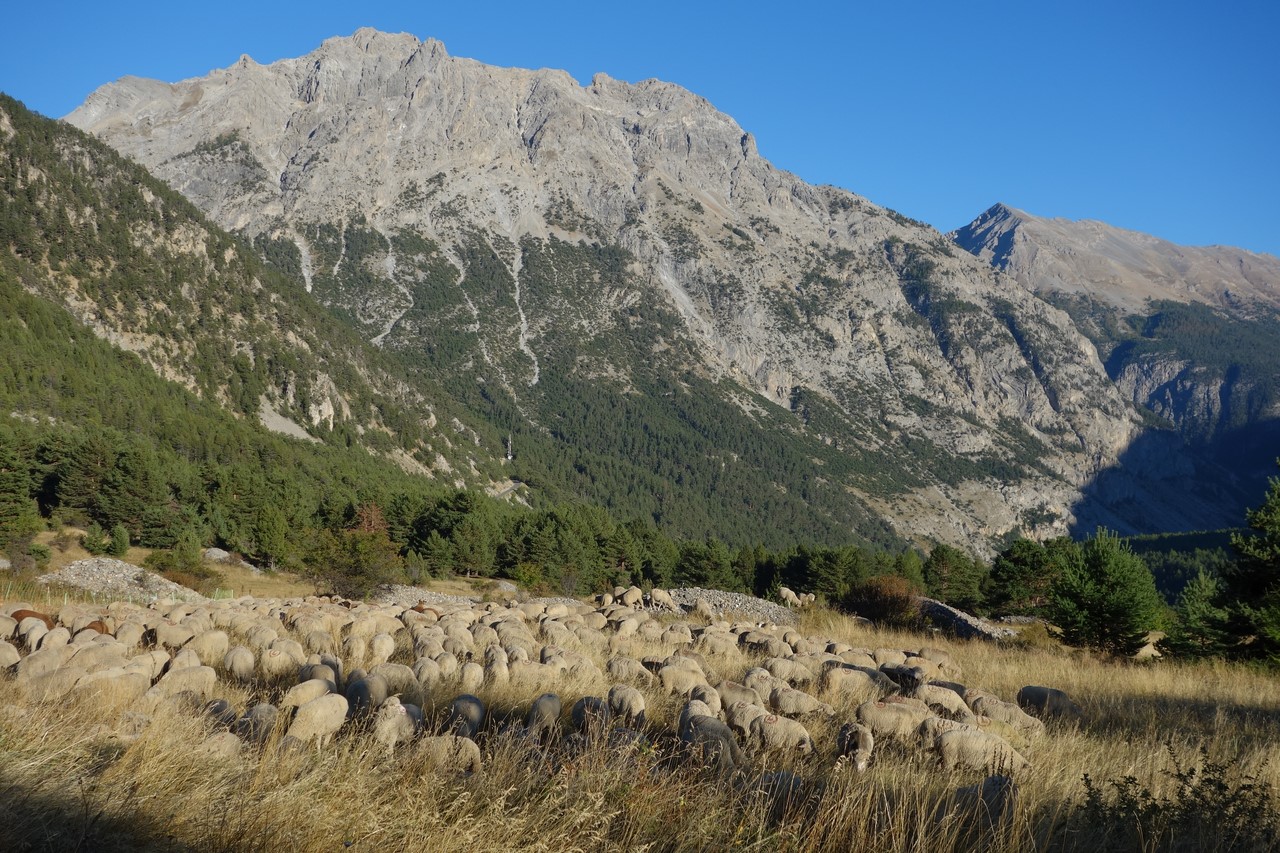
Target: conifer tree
{"points": [[1105, 598]]}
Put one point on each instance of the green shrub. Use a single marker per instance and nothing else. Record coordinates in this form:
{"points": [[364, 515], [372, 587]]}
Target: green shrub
{"points": [[95, 540], [1210, 808], [119, 544]]}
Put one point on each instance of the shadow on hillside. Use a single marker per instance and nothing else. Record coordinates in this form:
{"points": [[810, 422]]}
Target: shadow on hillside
{"points": [[1249, 725], [45, 820], [1162, 485]]}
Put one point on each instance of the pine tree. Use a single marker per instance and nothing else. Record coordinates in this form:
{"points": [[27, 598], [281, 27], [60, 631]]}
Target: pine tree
{"points": [[1253, 584], [1106, 598]]}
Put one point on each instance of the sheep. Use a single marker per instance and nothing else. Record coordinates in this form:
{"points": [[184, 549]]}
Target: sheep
{"points": [[255, 725], [931, 727], [692, 708], [1007, 712], [276, 665], [59, 636], [709, 695], [789, 598], [366, 693], [238, 663], [542, 723], [628, 669], [893, 720], [771, 732], [220, 714], [627, 704], [470, 676], [679, 680], [855, 740], [703, 609], [719, 751], [172, 637], [796, 703], [976, 750], [452, 753], [783, 793], [200, 680], [908, 678], [947, 700], [1049, 703], [319, 719], [740, 714], [632, 597], [209, 646], [466, 716], [986, 805], [662, 598], [300, 694], [396, 723], [591, 715], [223, 746], [842, 678], [790, 671], [322, 671], [18, 615], [399, 678], [381, 648], [732, 691], [52, 686], [8, 655]]}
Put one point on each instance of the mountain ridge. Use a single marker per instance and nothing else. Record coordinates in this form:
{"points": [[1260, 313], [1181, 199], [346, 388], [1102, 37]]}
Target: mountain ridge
{"points": [[523, 237]]}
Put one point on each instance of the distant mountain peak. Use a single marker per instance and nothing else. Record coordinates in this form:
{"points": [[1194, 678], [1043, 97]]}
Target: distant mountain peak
{"points": [[1115, 266]]}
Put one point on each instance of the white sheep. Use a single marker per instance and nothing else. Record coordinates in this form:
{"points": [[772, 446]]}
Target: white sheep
{"points": [[451, 753], [396, 723], [319, 719], [856, 741], [627, 704], [976, 750], [771, 732]]}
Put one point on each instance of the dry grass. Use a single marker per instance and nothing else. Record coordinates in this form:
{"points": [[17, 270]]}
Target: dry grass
{"points": [[69, 783]]}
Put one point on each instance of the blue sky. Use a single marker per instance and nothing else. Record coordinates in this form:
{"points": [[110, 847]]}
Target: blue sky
{"points": [[1163, 117]]}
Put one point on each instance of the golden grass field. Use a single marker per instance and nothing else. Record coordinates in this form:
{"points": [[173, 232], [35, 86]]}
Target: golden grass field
{"points": [[68, 781]]}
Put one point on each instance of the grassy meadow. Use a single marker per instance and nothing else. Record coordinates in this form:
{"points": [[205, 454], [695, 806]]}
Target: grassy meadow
{"points": [[87, 774]]}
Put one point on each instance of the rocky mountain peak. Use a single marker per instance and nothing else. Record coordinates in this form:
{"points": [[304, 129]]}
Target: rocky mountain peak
{"points": [[603, 239]]}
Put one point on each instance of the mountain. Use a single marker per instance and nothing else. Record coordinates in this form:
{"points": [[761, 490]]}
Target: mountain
{"points": [[1123, 269], [1189, 334], [659, 319], [138, 265]]}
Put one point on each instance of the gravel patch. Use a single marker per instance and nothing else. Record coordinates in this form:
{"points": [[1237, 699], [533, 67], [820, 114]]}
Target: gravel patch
{"points": [[747, 606], [408, 596], [117, 578]]}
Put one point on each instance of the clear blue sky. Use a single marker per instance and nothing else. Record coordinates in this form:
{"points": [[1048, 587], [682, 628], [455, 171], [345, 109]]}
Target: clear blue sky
{"points": [[1163, 117]]}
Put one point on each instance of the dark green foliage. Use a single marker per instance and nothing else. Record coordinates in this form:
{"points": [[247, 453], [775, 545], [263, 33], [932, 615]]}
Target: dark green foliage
{"points": [[1211, 808], [1253, 583], [119, 544], [355, 561], [95, 540], [1023, 575], [1199, 628], [706, 564], [1105, 598], [19, 519], [953, 576]]}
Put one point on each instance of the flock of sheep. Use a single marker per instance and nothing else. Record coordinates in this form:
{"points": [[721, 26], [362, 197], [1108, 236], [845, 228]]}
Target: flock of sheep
{"points": [[322, 668]]}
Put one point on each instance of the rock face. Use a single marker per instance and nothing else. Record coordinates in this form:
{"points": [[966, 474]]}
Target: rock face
{"points": [[521, 232], [1124, 269], [1186, 333]]}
